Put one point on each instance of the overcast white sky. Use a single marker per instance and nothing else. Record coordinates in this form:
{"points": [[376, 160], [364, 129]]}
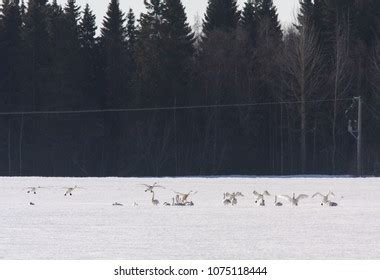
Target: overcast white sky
{"points": [[286, 8]]}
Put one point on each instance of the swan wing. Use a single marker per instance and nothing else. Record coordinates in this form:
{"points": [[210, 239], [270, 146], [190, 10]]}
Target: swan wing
{"points": [[144, 185], [331, 194], [228, 194], [302, 196], [317, 194], [181, 194], [256, 193]]}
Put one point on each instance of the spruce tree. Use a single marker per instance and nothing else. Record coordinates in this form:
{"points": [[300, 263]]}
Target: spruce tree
{"points": [[11, 75], [113, 23], [90, 80], [319, 11], [131, 31], [87, 29], [270, 26], [150, 58], [248, 13], [178, 29], [10, 51], [221, 15], [152, 21], [113, 48], [65, 57], [113, 40], [306, 14], [57, 36], [23, 11], [249, 20], [72, 15], [266, 68], [131, 36], [56, 26], [179, 40], [38, 52], [71, 30]]}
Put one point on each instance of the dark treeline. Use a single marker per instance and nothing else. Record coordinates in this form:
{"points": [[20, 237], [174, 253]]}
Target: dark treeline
{"points": [[54, 58]]}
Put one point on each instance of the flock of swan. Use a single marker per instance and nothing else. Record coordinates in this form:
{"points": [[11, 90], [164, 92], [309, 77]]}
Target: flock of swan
{"points": [[180, 199], [259, 198], [69, 191], [183, 199]]}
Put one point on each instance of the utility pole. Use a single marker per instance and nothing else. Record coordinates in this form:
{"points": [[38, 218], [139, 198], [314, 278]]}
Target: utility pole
{"points": [[355, 128], [359, 139]]}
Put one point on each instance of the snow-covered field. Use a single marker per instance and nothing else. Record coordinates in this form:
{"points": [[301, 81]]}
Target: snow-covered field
{"points": [[87, 226]]}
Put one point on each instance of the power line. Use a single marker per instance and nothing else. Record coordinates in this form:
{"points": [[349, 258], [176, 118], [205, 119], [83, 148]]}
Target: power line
{"points": [[174, 108]]}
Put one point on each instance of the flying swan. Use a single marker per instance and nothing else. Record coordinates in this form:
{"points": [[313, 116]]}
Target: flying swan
{"points": [[150, 188]]}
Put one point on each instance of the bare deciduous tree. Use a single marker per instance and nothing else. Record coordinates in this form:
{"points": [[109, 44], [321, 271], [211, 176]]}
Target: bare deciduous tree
{"points": [[302, 67]]}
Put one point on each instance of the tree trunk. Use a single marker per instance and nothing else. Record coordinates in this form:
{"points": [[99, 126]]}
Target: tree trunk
{"points": [[282, 141], [303, 135], [20, 143], [9, 150]]}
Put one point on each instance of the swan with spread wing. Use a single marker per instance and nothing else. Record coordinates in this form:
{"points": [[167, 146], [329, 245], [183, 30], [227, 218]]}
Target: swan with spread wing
{"points": [[260, 197], [231, 198], [294, 200], [69, 191], [183, 197], [150, 188], [33, 189], [326, 198]]}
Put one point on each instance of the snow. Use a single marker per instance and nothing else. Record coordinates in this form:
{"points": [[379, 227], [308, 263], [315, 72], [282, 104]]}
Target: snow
{"points": [[87, 226]]}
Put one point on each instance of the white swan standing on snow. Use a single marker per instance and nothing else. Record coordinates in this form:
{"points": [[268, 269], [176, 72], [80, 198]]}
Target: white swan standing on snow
{"points": [[294, 200], [276, 202], [155, 202], [326, 198], [262, 203], [260, 196]]}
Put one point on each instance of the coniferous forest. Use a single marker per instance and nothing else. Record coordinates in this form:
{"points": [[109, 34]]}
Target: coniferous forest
{"points": [[151, 95]]}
